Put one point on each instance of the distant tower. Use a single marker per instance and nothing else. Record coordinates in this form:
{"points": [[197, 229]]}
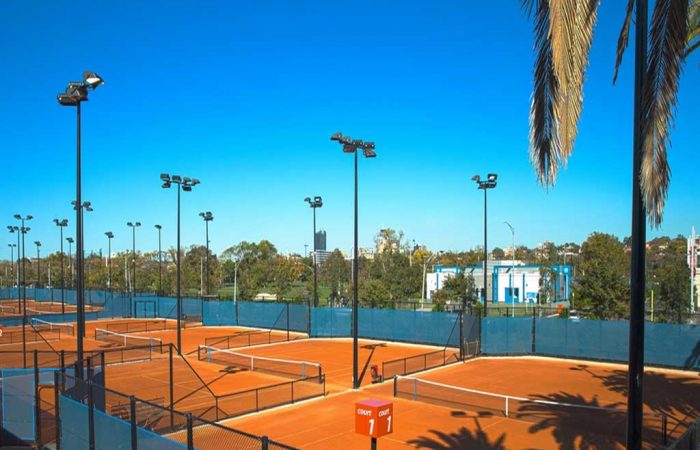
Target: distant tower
{"points": [[321, 240]]}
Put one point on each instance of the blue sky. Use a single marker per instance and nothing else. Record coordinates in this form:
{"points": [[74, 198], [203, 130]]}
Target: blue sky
{"points": [[244, 96]]}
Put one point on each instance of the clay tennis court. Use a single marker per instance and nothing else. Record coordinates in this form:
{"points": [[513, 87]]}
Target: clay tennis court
{"points": [[335, 356], [329, 424], [15, 308]]}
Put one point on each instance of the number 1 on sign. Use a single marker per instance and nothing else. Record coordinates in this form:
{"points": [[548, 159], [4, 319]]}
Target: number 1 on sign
{"points": [[371, 426], [389, 426]]}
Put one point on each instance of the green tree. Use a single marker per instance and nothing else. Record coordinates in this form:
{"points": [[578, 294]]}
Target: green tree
{"points": [[335, 274], [374, 293], [670, 276], [602, 284], [460, 288]]}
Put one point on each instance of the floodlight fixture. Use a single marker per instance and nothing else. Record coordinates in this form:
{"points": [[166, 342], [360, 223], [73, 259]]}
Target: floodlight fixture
{"points": [[158, 227], [336, 136], [92, 80], [109, 234]]}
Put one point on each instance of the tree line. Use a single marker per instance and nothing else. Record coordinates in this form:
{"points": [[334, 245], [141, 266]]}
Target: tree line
{"points": [[393, 276]]}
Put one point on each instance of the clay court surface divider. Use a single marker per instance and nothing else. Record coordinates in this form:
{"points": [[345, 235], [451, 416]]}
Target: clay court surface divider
{"points": [[665, 345], [128, 422]]}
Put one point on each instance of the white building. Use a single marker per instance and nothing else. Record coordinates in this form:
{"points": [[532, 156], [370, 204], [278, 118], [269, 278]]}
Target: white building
{"points": [[507, 282], [694, 265]]}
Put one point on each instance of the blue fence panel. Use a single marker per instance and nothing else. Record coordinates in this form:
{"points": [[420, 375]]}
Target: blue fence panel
{"points": [[18, 400], [262, 315], [219, 313], [18, 403], [74, 424], [192, 307], [435, 328], [588, 339], [298, 317], [331, 322], [506, 335], [110, 432], [672, 345]]}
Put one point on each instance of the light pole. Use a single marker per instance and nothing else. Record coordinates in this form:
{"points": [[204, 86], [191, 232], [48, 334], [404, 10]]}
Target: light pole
{"points": [[489, 183], [12, 262], [74, 95], [352, 146], [61, 224], [24, 230], [512, 266], [15, 229], [70, 258], [133, 226], [110, 236], [183, 184], [317, 202], [38, 266], [160, 262], [208, 217]]}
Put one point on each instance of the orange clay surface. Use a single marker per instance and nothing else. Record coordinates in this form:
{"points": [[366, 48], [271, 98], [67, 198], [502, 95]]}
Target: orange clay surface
{"points": [[37, 308], [335, 357], [329, 423]]}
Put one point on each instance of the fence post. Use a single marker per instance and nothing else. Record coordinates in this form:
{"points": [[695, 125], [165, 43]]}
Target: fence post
{"points": [[63, 360], [461, 335], [482, 318], [534, 330], [265, 441], [190, 438], [172, 381], [37, 401], [57, 409], [287, 321], [132, 413], [91, 417]]}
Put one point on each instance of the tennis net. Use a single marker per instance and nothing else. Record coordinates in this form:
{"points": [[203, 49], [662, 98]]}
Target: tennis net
{"points": [[44, 325], [128, 340], [297, 369], [594, 418], [8, 309]]}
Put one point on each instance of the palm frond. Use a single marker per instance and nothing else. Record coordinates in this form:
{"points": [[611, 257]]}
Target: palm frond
{"points": [[693, 27], [563, 38], [623, 39], [571, 25], [668, 39], [545, 148]]}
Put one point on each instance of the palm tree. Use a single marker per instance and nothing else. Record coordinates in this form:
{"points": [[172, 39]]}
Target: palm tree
{"points": [[563, 37]]}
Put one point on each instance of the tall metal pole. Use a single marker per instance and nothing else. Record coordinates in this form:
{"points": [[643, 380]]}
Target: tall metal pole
{"points": [[486, 255], [355, 275], [133, 261], [206, 223], [24, 299], [109, 263], [19, 289], [160, 264], [79, 251], [63, 279], [315, 266], [637, 275], [38, 264], [179, 299]]}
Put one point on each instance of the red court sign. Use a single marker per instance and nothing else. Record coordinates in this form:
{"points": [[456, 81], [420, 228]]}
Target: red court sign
{"points": [[374, 418]]}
